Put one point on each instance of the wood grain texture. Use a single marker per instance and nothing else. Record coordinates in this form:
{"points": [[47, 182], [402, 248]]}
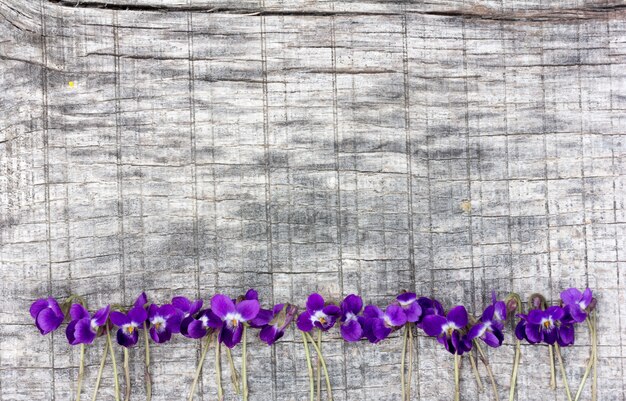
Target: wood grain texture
{"points": [[294, 146]]}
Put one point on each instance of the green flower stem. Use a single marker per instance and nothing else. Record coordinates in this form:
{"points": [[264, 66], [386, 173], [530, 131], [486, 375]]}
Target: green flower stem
{"points": [[479, 381], [485, 362], [147, 362], [105, 352], [81, 372], [457, 379], [405, 335], [234, 375], [126, 375], [319, 372], [205, 348], [218, 371], [563, 375], [309, 365], [518, 354], [552, 369], [410, 374], [594, 383], [244, 371], [588, 369], [115, 378], [323, 363]]}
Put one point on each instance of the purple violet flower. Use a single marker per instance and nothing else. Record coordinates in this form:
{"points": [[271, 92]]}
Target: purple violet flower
{"points": [[199, 326], [282, 316], [47, 314], [233, 316], [164, 320], [351, 329], [129, 324], [412, 308], [264, 316], [186, 307], [429, 307], [378, 324], [318, 315], [83, 328], [576, 303], [489, 328], [545, 326], [448, 329]]}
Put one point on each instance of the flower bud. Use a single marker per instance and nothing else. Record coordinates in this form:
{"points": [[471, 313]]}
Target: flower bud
{"points": [[592, 304], [511, 306], [537, 301]]}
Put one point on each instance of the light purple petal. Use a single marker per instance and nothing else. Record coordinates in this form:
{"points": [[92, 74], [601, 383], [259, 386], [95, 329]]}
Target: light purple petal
{"points": [[566, 335], [100, 317], [535, 316], [352, 304], [138, 315], [222, 305], [476, 331], [83, 332], [380, 330], [491, 340], [576, 313], [556, 312], [395, 315], [118, 318], [262, 318], [352, 331], [141, 300], [406, 298], [533, 333], [153, 311], [314, 303], [77, 312], [433, 324], [304, 322], [181, 303], [37, 307], [458, 316], [167, 311], [252, 294], [586, 298], [413, 312], [248, 309], [373, 312], [195, 307], [571, 296], [500, 310], [48, 321]]}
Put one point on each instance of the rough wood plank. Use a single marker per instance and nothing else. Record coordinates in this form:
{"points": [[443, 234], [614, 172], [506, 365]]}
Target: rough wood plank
{"points": [[359, 146]]}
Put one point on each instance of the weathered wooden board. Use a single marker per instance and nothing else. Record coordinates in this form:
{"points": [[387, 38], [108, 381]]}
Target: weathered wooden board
{"points": [[361, 146]]}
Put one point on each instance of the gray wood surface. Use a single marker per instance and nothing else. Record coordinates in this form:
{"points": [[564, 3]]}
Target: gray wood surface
{"points": [[297, 145]]}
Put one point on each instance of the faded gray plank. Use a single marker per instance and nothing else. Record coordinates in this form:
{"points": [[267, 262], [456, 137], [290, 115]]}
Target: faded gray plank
{"points": [[358, 146]]}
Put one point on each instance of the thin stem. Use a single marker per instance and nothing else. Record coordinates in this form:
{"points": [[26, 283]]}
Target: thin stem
{"points": [[591, 359], [483, 358], [552, 369], [115, 378], [410, 374], [205, 348], [105, 352], [563, 375], [319, 373], [404, 340], [457, 380], [321, 359], [234, 375], [81, 372], [518, 354], [218, 371], [479, 381], [594, 383], [126, 375], [147, 366], [244, 372], [309, 365]]}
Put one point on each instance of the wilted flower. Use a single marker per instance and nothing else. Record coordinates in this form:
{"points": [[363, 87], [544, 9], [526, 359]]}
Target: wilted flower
{"points": [[282, 316], [351, 329], [318, 315], [378, 324], [83, 328], [47, 314], [448, 329], [576, 303], [489, 328], [233, 317], [429, 307], [129, 324]]}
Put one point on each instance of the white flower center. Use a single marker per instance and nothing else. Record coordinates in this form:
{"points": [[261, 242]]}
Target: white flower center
{"points": [[448, 328], [159, 323], [319, 316], [205, 321], [547, 323], [94, 325], [233, 319], [129, 328], [350, 316]]}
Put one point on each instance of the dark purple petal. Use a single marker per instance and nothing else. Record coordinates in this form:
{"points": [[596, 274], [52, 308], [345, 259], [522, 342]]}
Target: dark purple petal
{"points": [[248, 309], [373, 312], [160, 336], [231, 336], [520, 330], [153, 311], [456, 341], [182, 303], [329, 323], [195, 329], [351, 331], [184, 325], [586, 298], [575, 313], [48, 321], [195, 307], [138, 315], [535, 316], [304, 322], [571, 296], [262, 318], [352, 304], [488, 313], [395, 315], [83, 332], [332, 310], [555, 312], [77, 312], [252, 295], [69, 332], [549, 336], [433, 324], [406, 298], [491, 340], [314, 303], [458, 316], [533, 333], [269, 334], [38, 306], [213, 320], [221, 305], [566, 335], [167, 311], [119, 319], [500, 310], [380, 330], [127, 341], [101, 316], [141, 300], [413, 312]]}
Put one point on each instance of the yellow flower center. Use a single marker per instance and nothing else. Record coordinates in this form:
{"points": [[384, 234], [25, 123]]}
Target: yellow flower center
{"points": [[130, 329], [234, 322], [322, 320]]}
